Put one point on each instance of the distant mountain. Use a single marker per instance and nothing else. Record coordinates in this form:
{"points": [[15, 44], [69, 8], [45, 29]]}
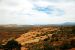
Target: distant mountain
{"points": [[9, 25], [69, 23], [16, 25], [37, 25]]}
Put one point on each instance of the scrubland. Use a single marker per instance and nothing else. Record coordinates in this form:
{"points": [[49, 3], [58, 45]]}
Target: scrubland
{"points": [[40, 37]]}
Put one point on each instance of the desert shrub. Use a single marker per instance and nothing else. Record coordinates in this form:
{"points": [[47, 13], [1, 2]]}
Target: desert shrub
{"points": [[65, 46], [73, 31], [12, 44], [37, 35], [1, 46], [47, 46], [73, 43]]}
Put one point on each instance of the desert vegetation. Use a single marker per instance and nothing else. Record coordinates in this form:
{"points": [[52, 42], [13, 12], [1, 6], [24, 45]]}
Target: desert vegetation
{"points": [[39, 38]]}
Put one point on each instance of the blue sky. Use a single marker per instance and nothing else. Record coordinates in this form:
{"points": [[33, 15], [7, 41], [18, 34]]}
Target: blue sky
{"points": [[37, 11]]}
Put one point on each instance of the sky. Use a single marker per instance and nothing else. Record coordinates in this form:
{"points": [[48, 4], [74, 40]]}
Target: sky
{"points": [[33, 12]]}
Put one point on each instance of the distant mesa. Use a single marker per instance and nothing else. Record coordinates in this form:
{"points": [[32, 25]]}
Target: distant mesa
{"points": [[61, 24], [68, 23]]}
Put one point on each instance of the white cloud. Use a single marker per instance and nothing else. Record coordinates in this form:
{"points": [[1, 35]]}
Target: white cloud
{"points": [[22, 12]]}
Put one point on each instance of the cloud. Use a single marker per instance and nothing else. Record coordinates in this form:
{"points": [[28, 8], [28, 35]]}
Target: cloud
{"points": [[44, 9], [36, 11], [54, 0], [50, 10]]}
